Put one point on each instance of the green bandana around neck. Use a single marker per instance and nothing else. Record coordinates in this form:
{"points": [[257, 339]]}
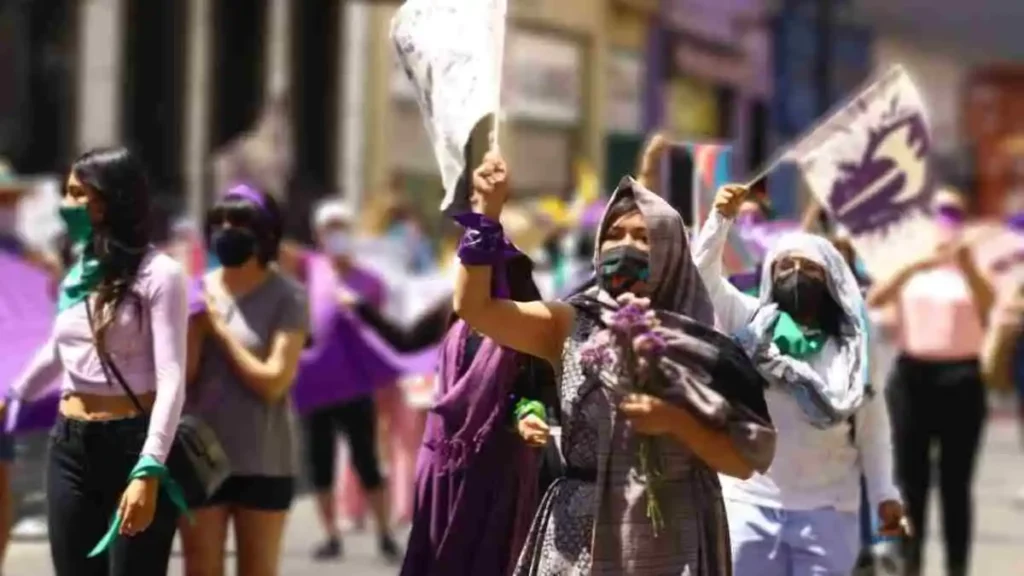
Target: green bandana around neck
{"points": [[794, 341], [80, 281]]}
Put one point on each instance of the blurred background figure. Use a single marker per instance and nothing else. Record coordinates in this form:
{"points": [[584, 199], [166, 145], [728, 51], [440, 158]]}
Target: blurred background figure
{"points": [[937, 397], [326, 273]]}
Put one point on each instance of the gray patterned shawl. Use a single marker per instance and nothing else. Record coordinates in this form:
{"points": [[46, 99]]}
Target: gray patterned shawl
{"points": [[694, 541]]}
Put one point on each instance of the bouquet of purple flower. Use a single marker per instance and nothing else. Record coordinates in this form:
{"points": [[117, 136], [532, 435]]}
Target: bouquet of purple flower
{"points": [[622, 355]]}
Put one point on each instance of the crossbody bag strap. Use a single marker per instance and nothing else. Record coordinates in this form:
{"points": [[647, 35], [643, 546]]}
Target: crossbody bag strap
{"points": [[107, 363]]}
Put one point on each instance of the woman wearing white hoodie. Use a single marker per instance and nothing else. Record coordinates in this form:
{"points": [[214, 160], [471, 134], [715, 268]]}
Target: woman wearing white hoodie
{"points": [[806, 333]]}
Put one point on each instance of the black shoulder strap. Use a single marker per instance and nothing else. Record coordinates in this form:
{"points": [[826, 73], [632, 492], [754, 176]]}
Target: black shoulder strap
{"points": [[107, 363]]}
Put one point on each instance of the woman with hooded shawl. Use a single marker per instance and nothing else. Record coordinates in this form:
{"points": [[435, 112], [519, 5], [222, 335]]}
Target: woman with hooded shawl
{"points": [[805, 331], [707, 416]]}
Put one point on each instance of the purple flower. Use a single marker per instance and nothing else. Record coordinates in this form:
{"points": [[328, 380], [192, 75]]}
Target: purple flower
{"points": [[596, 353], [634, 317], [649, 344]]}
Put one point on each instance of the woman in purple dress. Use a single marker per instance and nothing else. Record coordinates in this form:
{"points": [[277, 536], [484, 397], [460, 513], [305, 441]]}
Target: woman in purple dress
{"points": [[476, 481]]}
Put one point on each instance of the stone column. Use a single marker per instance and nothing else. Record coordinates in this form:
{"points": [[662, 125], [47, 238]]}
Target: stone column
{"points": [[352, 77], [196, 155], [100, 73]]}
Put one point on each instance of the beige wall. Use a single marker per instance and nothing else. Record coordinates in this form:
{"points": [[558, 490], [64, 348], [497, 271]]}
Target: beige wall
{"points": [[940, 77], [576, 19], [627, 27]]}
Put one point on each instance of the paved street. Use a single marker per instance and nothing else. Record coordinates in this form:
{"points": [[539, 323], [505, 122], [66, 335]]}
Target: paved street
{"points": [[32, 559], [999, 550]]}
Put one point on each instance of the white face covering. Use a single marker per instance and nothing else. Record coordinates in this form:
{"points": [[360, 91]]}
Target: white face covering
{"points": [[337, 243]]}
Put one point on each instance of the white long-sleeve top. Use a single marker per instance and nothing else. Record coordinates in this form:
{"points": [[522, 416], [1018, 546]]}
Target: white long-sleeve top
{"points": [[813, 468]]}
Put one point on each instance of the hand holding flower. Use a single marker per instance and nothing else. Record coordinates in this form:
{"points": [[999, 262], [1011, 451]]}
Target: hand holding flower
{"points": [[648, 414]]}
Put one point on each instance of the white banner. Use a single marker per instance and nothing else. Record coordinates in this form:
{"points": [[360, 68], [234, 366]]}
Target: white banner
{"points": [[867, 163], [452, 52]]}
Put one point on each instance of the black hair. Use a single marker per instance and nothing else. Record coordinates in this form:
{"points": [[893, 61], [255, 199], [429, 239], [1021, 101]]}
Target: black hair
{"points": [[118, 180], [626, 204], [265, 222], [519, 275]]}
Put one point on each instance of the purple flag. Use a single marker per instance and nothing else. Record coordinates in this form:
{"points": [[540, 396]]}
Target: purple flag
{"points": [[868, 165], [26, 318]]}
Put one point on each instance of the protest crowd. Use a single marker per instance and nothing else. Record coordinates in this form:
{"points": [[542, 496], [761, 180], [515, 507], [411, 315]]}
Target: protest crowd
{"points": [[611, 384]]}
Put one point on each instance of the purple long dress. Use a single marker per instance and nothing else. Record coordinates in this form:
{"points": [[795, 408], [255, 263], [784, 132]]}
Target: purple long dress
{"points": [[476, 481]]}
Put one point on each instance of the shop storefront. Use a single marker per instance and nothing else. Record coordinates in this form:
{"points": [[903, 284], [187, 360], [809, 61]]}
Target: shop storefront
{"points": [[993, 113], [801, 95], [706, 84], [543, 100], [715, 50]]}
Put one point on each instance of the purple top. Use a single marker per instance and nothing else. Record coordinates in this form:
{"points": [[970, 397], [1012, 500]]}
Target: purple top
{"points": [[149, 351], [346, 360]]}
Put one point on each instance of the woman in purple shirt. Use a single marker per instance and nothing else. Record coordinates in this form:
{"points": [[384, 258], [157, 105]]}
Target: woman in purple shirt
{"points": [[122, 304]]}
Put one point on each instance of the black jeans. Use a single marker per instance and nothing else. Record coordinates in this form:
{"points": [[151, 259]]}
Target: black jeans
{"points": [[88, 469], [940, 403], [358, 420]]}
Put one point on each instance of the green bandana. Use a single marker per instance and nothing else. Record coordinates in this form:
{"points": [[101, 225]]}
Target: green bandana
{"points": [[526, 407], [80, 281], [146, 468], [794, 341], [85, 274]]}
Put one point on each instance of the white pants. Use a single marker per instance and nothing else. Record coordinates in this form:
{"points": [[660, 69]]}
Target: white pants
{"points": [[778, 542]]}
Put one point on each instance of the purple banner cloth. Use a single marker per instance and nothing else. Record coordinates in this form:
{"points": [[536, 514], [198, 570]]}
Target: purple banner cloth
{"points": [[761, 236], [351, 361], [27, 310], [484, 243], [348, 359], [592, 214]]}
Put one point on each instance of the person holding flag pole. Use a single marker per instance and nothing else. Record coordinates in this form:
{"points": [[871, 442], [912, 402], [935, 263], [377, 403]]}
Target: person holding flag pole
{"points": [[806, 333]]}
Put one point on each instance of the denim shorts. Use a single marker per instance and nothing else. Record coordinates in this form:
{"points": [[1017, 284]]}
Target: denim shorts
{"points": [[6, 448]]}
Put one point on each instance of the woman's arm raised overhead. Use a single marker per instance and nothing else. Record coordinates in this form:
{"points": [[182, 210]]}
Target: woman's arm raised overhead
{"points": [[733, 309], [536, 328]]}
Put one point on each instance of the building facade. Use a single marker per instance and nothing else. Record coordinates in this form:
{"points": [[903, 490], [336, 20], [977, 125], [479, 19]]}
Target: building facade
{"points": [[177, 80], [552, 100]]}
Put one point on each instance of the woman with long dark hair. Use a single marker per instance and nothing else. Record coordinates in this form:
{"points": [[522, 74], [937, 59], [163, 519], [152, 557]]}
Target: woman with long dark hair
{"points": [[243, 356], [121, 325]]}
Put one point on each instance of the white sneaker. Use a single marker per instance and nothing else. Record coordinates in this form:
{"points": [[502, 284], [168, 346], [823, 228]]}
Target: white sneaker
{"points": [[31, 528]]}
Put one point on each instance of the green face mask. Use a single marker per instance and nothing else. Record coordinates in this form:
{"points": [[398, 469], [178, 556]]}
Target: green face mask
{"points": [[77, 220]]}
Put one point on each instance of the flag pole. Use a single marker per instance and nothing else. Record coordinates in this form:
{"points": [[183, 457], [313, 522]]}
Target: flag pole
{"points": [[498, 16]]}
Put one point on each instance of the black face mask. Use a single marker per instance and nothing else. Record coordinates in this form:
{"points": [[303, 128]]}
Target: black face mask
{"points": [[798, 294], [233, 246], [622, 268]]}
